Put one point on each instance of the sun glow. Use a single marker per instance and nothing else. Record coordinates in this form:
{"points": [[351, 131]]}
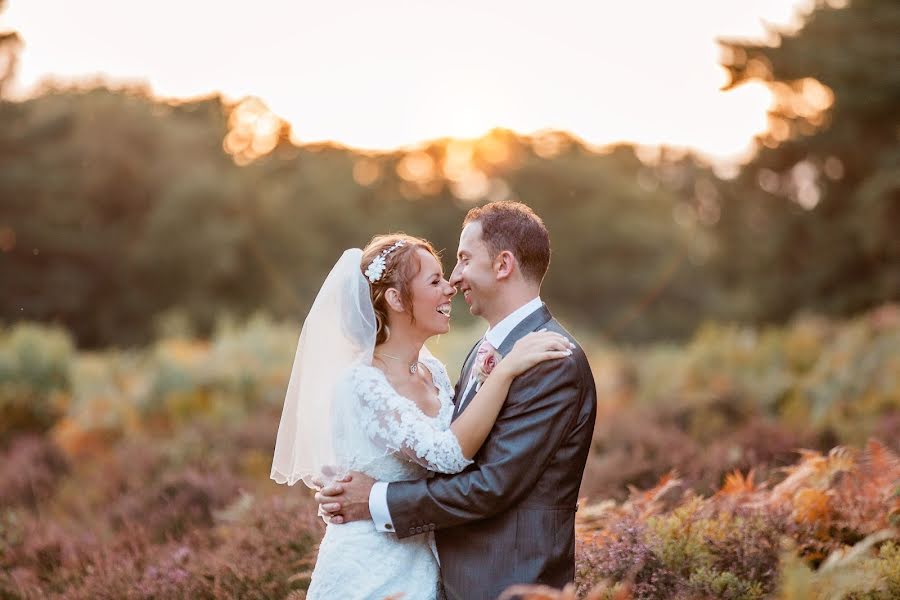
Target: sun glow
{"points": [[386, 75], [254, 131]]}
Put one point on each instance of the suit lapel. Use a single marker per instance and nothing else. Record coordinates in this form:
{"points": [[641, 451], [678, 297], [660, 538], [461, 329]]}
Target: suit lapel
{"points": [[530, 323], [458, 408], [464, 376]]}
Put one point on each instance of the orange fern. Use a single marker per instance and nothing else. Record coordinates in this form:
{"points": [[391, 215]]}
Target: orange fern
{"points": [[650, 502], [737, 484], [811, 506]]}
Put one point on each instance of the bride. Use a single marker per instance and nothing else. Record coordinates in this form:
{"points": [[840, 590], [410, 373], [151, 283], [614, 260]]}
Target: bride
{"points": [[366, 395]]}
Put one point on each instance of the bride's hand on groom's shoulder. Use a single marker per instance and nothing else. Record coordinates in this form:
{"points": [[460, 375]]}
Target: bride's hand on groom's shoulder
{"points": [[534, 348], [346, 500]]}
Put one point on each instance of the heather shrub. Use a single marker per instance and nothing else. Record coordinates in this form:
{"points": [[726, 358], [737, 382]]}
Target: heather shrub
{"points": [[167, 576], [258, 549], [177, 504], [749, 546], [39, 557], [99, 484], [132, 567], [832, 511], [679, 538], [622, 553], [266, 551], [718, 553], [147, 520], [30, 469]]}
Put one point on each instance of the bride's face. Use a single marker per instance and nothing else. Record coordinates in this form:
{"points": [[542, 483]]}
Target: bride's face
{"points": [[431, 295]]}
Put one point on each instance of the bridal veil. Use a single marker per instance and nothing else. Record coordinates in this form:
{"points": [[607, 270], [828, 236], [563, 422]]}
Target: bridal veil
{"points": [[338, 333]]}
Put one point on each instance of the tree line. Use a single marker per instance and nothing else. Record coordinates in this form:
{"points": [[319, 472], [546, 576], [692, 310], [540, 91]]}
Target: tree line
{"points": [[119, 211]]}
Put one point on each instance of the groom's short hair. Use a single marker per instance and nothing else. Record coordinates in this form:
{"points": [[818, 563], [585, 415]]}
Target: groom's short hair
{"points": [[515, 227]]}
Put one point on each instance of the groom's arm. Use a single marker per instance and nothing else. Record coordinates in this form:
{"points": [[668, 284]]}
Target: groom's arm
{"points": [[541, 408]]}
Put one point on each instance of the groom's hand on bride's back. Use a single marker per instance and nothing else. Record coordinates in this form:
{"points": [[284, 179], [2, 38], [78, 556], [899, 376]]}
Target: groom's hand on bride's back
{"points": [[346, 500]]}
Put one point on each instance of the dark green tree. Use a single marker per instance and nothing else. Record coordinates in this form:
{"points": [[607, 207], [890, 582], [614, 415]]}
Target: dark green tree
{"points": [[116, 208], [813, 220]]}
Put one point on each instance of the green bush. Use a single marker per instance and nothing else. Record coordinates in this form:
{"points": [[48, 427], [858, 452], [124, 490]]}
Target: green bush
{"points": [[35, 375]]}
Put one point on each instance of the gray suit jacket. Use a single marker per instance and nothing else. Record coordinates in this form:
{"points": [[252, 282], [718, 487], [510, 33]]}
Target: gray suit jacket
{"points": [[510, 517]]}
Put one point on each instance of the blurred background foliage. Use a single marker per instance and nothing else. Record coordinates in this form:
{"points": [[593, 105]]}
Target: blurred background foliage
{"points": [[757, 395], [118, 209]]}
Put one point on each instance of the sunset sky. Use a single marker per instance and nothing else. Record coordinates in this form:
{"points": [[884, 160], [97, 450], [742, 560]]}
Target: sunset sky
{"points": [[378, 74]]}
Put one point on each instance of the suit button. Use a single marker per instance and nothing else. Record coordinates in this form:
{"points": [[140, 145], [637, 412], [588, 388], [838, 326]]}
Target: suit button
{"points": [[412, 530], [431, 527], [418, 530], [388, 526]]}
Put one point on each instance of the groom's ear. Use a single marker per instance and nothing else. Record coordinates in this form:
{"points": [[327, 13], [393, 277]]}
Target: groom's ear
{"points": [[505, 264]]}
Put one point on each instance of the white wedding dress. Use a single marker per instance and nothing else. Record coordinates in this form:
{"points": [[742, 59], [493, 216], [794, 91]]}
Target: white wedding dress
{"points": [[355, 560]]}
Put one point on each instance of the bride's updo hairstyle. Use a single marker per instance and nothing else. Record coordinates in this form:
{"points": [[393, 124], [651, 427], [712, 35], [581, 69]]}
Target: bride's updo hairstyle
{"points": [[400, 267]]}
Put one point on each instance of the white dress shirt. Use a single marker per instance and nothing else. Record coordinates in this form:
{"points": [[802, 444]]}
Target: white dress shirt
{"points": [[495, 335]]}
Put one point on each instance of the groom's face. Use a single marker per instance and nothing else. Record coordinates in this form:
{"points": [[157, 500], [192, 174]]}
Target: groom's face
{"points": [[474, 275]]}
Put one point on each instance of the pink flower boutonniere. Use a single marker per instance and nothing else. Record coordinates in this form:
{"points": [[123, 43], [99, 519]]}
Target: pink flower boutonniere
{"points": [[486, 359]]}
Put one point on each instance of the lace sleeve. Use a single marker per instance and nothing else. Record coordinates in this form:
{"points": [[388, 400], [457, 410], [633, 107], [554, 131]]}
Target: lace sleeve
{"points": [[396, 422]]}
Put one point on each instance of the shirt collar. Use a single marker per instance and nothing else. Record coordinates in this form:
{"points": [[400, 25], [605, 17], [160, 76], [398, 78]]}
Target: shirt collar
{"points": [[496, 335]]}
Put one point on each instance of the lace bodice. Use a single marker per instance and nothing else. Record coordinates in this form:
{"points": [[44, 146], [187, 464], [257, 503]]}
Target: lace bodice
{"points": [[391, 439], [386, 435]]}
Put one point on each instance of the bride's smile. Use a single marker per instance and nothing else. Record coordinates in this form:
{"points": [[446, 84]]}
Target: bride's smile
{"points": [[431, 295]]}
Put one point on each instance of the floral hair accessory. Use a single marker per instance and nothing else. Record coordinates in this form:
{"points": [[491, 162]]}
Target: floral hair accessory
{"points": [[375, 270]]}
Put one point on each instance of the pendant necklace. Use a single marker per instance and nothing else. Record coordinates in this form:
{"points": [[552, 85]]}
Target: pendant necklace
{"points": [[412, 367]]}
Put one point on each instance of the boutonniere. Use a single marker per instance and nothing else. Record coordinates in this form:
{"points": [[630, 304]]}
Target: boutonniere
{"points": [[486, 359]]}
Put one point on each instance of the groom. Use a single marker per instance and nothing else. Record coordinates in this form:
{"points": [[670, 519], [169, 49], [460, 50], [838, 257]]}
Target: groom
{"points": [[509, 518]]}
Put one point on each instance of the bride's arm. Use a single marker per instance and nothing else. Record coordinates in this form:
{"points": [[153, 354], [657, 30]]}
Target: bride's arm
{"points": [[471, 428], [395, 423]]}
